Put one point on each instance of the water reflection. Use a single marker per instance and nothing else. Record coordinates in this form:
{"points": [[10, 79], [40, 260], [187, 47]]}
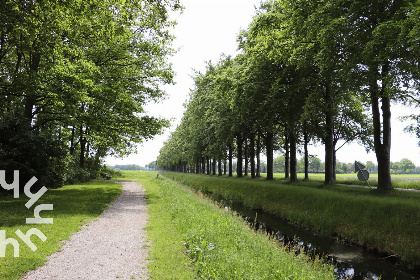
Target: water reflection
{"points": [[351, 262]]}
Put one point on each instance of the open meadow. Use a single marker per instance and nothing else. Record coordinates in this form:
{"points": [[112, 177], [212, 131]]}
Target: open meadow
{"points": [[403, 181]]}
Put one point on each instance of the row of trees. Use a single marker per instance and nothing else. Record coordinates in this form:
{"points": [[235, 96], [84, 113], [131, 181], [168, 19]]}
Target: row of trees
{"points": [[308, 71], [316, 165], [75, 76], [404, 166], [151, 165], [128, 167], [148, 166]]}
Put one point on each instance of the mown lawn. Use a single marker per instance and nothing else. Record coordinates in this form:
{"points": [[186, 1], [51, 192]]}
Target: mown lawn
{"points": [[74, 206]]}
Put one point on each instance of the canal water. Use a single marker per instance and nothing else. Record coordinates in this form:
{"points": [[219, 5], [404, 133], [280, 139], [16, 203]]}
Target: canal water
{"points": [[351, 262]]}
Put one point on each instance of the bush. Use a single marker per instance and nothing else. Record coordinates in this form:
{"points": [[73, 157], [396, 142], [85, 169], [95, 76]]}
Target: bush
{"points": [[32, 152], [75, 174], [108, 172], [93, 169]]}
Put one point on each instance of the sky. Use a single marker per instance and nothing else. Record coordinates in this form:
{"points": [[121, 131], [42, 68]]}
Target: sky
{"points": [[205, 30]]}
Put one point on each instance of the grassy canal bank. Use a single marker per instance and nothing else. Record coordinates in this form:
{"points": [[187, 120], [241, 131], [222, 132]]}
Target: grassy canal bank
{"points": [[384, 222], [192, 238]]}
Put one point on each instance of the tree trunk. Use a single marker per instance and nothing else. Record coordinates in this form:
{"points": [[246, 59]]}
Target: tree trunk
{"points": [[334, 164], [230, 160], [72, 141], [269, 144], [252, 155], [87, 144], [329, 160], [219, 166], [382, 142], [82, 148], [246, 157], [29, 106], [208, 165], [293, 158], [329, 140], [224, 165], [384, 177], [239, 155], [214, 166], [203, 165], [30, 100], [305, 147], [287, 158], [258, 156]]}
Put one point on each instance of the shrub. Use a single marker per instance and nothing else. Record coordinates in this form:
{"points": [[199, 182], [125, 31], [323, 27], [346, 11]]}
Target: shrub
{"points": [[75, 174], [108, 172], [32, 152]]}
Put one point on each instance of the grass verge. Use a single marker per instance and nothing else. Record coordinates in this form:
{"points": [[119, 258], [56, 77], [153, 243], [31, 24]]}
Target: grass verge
{"points": [[388, 222], [74, 206], [218, 245], [167, 252]]}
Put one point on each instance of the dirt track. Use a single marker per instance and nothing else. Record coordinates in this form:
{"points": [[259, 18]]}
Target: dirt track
{"points": [[112, 247]]}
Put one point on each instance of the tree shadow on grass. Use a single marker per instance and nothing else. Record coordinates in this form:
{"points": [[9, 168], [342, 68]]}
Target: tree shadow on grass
{"points": [[89, 199]]}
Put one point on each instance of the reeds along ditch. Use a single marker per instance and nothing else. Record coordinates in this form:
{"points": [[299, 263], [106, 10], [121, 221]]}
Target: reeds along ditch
{"points": [[384, 222]]}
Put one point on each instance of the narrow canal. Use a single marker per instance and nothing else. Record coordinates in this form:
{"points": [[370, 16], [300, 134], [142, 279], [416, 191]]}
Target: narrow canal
{"points": [[351, 262]]}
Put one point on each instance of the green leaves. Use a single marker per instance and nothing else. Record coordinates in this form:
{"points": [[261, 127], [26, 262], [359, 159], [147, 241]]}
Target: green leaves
{"points": [[207, 127], [86, 69], [309, 68]]}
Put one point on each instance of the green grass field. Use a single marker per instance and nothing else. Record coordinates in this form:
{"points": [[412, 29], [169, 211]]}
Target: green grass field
{"points": [[403, 181], [74, 206]]}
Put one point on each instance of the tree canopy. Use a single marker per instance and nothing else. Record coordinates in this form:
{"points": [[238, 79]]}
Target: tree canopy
{"points": [[79, 73]]}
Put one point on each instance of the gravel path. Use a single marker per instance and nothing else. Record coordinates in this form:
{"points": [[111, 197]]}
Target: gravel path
{"points": [[112, 247]]}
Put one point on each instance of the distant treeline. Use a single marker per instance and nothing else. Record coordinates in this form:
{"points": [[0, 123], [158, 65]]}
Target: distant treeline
{"points": [[404, 166], [316, 165], [134, 166]]}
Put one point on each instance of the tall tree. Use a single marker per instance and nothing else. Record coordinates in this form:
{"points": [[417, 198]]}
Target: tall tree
{"points": [[379, 52], [85, 69]]}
